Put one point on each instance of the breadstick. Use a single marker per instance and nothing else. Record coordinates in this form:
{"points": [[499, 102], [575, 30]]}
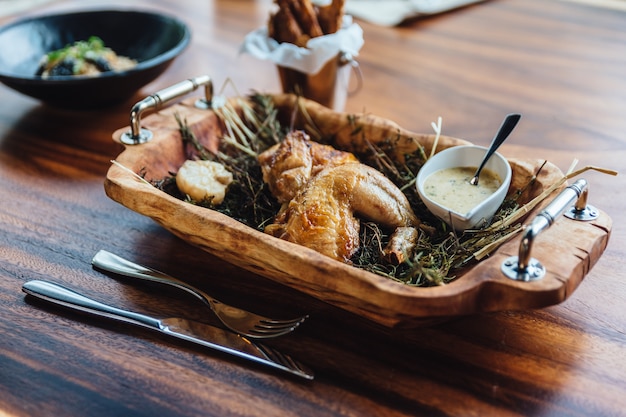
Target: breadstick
{"points": [[331, 16], [283, 27], [296, 21], [304, 12]]}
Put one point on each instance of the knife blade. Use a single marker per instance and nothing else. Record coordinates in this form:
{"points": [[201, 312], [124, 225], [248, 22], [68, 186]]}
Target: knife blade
{"points": [[180, 328]]}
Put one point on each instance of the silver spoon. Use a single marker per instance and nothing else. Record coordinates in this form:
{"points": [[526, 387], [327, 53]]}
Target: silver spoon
{"points": [[505, 130]]}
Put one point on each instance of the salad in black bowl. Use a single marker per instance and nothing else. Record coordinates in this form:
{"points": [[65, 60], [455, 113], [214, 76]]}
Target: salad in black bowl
{"points": [[89, 59]]}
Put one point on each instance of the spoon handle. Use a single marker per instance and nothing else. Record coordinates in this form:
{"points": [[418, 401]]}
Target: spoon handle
{"points": [[509, 123]]}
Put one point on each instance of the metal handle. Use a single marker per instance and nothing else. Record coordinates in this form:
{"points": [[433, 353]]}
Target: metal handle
{"points": [[156, 101], [525, 268], [118, 265], [60, 295]]}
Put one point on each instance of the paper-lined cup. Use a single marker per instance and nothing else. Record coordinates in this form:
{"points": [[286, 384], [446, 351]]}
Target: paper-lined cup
{"points": [[328, 87], [321, 70]]}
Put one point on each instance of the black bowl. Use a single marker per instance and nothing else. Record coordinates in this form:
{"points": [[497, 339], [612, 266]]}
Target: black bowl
{"points": [[151, 38]]}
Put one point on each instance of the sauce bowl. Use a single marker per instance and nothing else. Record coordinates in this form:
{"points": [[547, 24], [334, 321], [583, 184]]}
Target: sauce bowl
{"points": [[465, 156]]}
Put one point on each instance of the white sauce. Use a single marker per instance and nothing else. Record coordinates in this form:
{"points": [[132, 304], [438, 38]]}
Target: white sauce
{"points": [[450, 187]]}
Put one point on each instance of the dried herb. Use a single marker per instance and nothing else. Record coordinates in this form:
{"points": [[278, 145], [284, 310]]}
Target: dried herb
{"points": [[248, 199]]}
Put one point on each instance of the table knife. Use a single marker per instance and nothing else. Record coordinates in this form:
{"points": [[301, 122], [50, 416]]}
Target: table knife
{"points": [[189, 330]]}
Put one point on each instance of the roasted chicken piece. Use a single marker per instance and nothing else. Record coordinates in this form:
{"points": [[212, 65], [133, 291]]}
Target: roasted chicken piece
{"points": [[289, 165], [323, 190]]}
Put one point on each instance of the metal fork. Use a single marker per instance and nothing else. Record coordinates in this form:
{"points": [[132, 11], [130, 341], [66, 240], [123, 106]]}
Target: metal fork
{"points": [[240, 321]]}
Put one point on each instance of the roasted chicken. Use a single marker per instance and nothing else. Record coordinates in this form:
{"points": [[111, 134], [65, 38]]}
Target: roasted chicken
{"points": [[323, 190]]}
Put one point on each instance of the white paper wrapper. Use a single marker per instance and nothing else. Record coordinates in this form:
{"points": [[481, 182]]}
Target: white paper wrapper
{"points": [[310, 60]]}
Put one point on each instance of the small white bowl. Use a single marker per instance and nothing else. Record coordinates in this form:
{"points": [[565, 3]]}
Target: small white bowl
{"points": [[466, 156]]}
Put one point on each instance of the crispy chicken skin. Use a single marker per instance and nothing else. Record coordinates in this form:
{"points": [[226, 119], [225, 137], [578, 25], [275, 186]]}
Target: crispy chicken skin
{"points": [[289, 165], [323, 190], [323, 215]]}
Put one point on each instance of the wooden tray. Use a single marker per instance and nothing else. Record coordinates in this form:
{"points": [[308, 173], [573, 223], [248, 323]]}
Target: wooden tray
{"points": [[568, 249]]}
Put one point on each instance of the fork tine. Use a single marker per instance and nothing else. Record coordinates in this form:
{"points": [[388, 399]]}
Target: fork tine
{"points": [[274, 329], [283, 323], [285, 360], [256, 326], [257, 333], [268, 333]]}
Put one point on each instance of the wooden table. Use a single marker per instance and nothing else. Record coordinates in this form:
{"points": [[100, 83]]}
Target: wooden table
{"points": [[562, 65]]}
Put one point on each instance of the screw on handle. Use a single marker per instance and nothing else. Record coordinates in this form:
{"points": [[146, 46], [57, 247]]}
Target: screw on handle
{"points": [[156, 101], [523, 267]]}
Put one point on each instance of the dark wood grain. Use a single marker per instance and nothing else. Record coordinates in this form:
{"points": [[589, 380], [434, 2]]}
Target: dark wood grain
{"points": [[559, 64]]}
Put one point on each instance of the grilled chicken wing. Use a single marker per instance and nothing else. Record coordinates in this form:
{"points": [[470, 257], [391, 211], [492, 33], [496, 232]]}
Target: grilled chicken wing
{"points": [[323, 190], [323, 215], [289, 165]]}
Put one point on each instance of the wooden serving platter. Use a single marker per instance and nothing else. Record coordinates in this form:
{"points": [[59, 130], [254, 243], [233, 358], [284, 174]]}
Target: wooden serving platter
{"points": [[568, 249]]}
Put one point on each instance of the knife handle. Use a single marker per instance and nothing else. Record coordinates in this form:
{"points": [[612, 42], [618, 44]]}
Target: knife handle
{"points": [[65, 297]]}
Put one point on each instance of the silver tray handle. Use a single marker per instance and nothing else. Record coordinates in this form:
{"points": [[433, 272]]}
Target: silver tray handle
{"points": [[526, 268], [156, 101]]}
